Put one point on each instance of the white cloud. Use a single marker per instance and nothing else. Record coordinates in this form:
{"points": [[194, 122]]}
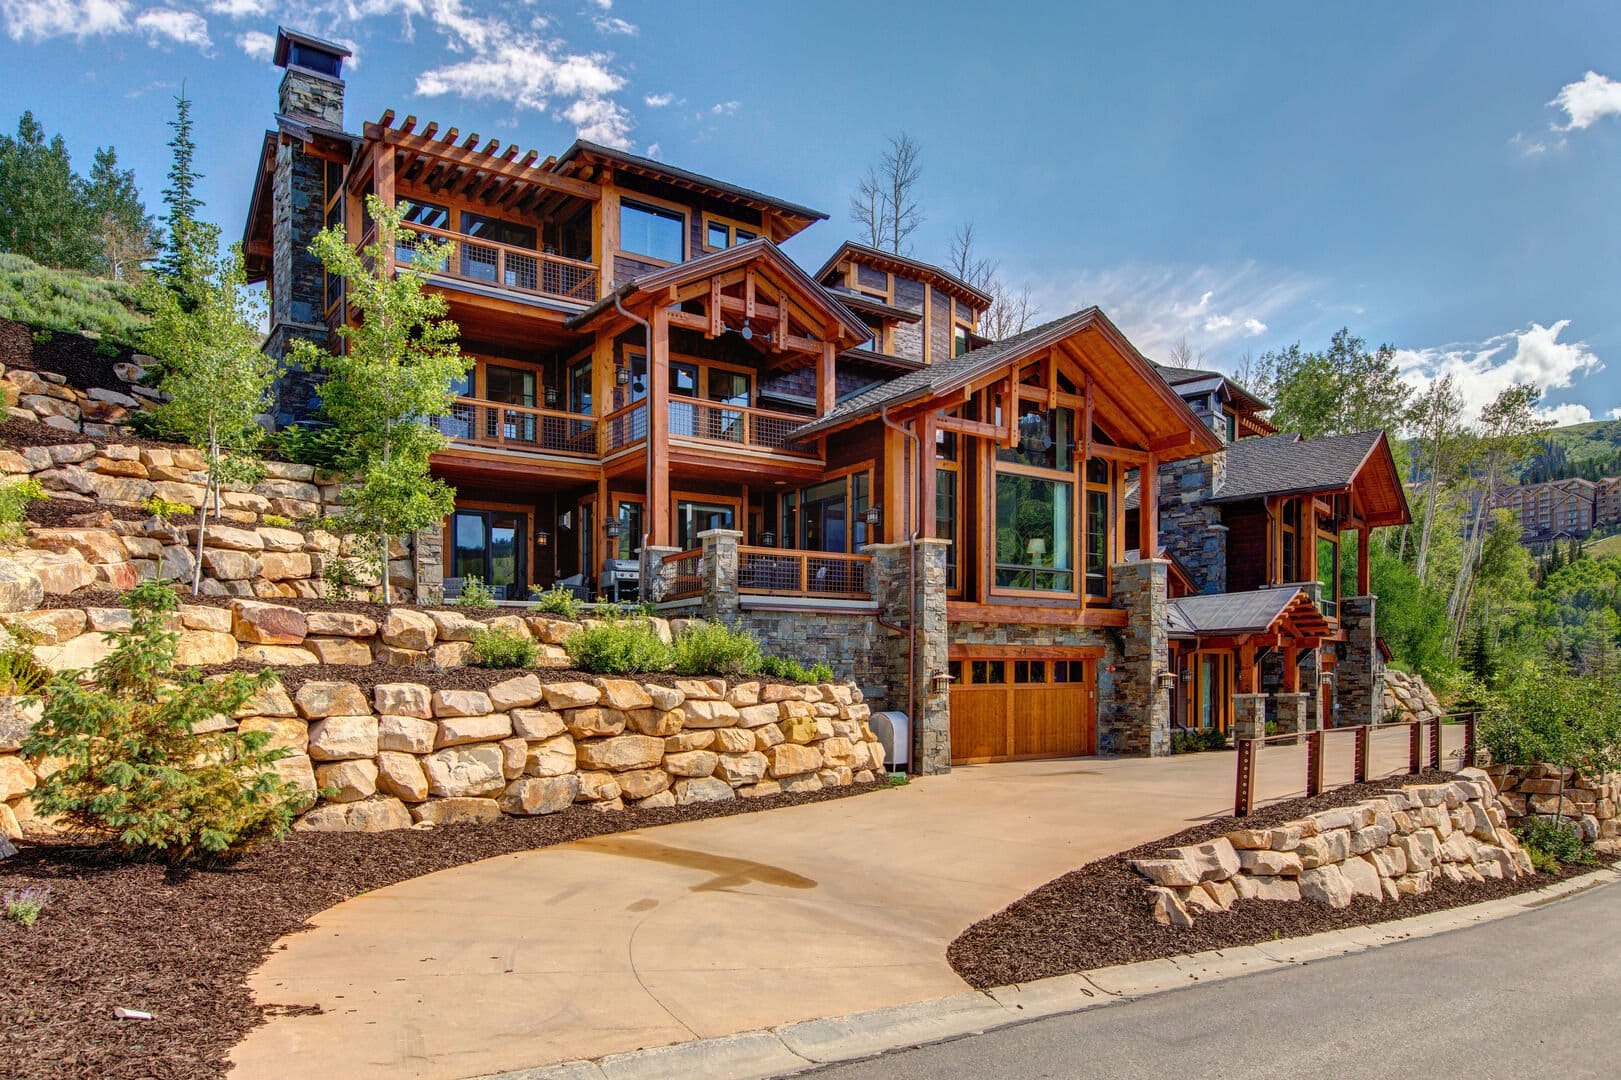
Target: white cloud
{"points": [[257, 44], [1588, 100], [181, 27], [653, 150], [657, 101], [605, 5], [41, 19], [725, 108], [600, 120], [1215, 309], [1482, 370], [613, 24], [1614, 414], [239, 9]]}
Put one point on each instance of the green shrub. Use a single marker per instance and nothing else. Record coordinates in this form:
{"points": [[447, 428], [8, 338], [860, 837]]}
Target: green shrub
{"points": [[779, 668], [1546, 713], [14, 500], [714, 648], [1198, 740], [42, 337], [820, 673], [1552, 843], [68, 301], [135, 768], [555, 601], [475, 593], [500, 648], [23, 906], [163, 509], [321, 446], [619, 647], [277, 521], [20, 674]]}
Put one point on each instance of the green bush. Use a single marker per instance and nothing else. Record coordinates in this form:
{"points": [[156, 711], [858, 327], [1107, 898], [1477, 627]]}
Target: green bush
{"points": [[619, 647], [779, 668], [135, 768], [499, 648], [163, 509], [68, 301], [322, 446], [1552, 843], [1546, 713], [24, 906], [277, 521], [1198, 740], [716, 649], [475, 593], [20, 674], [14, 500], [555, 601]]}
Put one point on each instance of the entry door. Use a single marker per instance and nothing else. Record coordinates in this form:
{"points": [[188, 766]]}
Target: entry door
{"points": [[490, 545], [1010, 710]]}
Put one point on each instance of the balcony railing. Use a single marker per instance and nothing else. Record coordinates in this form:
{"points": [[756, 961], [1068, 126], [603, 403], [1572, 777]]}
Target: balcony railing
{"points": [[520, 269], [827, 574], [623, 428], [519, 427], [686, 574], [737, 425]]}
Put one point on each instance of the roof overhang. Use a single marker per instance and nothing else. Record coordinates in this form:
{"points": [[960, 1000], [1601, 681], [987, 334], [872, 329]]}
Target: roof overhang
{"points": [[1281, 613], [880, 259], [1375, 484]]}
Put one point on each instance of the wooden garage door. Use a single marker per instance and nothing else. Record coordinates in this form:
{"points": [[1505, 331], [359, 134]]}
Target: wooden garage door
{"points": [[1008, 710]]}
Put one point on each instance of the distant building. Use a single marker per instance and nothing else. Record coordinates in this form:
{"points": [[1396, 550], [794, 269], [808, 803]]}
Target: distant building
{"points": [[1607, 503], [1555, 510]]}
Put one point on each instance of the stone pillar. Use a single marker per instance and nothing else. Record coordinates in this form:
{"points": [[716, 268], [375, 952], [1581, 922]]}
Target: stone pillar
{"points": [[1297, 712], [657, 576], [1138, 722], [427, 556], [1189, 528], [1249, 716], [720, 602], [1359, 676], [909, 583]]}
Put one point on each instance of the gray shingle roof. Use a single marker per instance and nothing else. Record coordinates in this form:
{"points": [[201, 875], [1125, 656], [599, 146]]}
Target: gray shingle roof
{"points": [[1230, 613], [1286, 464], [942, 374]]}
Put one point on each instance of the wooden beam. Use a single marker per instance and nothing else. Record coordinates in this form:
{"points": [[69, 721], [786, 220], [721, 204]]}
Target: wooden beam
{"points": [[658, 428], [1363, 576], [1148, 508], [826, 386], [976, 428], [926, 477], [466, 155], [1247, 680]]}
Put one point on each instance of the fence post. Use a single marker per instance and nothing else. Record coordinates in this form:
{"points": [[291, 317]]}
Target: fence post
{"points": [[1435, 743], [1244, 788], [1314, 762], [1361, 755], [1415, 746], [1469, 740]]}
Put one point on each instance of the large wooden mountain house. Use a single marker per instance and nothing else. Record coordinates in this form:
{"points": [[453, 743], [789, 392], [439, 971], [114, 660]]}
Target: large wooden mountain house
{"points": [[1035, 547]]}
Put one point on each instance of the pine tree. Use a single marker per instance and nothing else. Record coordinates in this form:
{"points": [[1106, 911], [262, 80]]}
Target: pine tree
{"points": [[188, 249], [44, 211], [128, 234]]}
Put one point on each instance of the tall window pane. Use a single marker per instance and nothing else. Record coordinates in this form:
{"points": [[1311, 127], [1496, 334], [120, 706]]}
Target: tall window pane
{"points": [[651, 231], [1034, 548], [945, 519], [1097, 543]]}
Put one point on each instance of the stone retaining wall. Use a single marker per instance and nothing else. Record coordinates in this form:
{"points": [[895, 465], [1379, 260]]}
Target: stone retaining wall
{"points": [[403, 754], [1408, 697], [1386, 848], [46, 397], [1548, 791]]}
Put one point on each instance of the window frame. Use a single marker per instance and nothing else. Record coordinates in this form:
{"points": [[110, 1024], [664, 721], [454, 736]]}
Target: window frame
{"points": [[731, 227], [655, 208]]}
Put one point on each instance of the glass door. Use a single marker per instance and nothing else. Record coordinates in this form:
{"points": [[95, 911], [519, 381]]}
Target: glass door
{"points": [[490, 545], [692, 518]]}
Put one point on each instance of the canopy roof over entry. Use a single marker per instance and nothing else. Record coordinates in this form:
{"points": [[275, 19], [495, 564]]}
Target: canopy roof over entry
{"points": [[1284, 613]]}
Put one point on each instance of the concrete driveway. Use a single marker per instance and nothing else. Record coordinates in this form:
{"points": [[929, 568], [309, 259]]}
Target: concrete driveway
{"points": [[659, 936]]}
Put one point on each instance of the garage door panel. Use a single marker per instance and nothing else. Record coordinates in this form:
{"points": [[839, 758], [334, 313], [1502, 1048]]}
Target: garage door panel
{"points": [[978, 723], [1030, 717], [1050, 721]]}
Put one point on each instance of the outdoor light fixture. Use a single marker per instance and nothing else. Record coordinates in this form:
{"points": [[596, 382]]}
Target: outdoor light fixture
{"points": [[939, 681], [768, 539], [622, 375], [873, 516], [551, 397], [1166, 679], [611, 528], [542, 538], [1326, 678]]}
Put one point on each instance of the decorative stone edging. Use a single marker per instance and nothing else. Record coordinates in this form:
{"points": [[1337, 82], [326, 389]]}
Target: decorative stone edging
{"points": [[1591, 803], [1384, 848]]}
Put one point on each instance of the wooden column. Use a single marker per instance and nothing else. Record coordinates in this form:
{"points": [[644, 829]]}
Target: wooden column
{"points": [[1291, 665], [826, 387], [892, 529], [384, 176], [1306, 537], [1148, 508], [1363, 586], [606, 219], [658, 427], [1247, 681], [926, 476]]}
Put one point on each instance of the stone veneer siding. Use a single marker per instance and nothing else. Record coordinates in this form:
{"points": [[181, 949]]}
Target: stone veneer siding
{"points": [[1135, 718], [1359, 675], [1189, 529]]}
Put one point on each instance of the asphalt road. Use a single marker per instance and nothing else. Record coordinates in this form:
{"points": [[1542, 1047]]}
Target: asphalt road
{"points": [[1538, 994]]}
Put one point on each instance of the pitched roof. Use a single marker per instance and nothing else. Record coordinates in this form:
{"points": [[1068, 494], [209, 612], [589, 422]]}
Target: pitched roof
{"points": [[681, 177], [1286, 464], [1202, 381], [878, 257], [1253, 612]]}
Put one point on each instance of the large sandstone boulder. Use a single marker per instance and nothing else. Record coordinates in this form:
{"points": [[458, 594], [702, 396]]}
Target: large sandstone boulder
{"points": [[407, 629], [643, 783], [624, 695], [521, 692], [461, 703], [740, 769], [571, 695], [692, 763], [709, 714], [1326, 885], [371, 815], [659, 722], [537, 723], [16, 778], [457, 730], [401, 775], [792, 760], [403, 699], [454, 626], [318, 699], [285, 733], [197, 647], [406, 734], [731, 740], [702, 790], [465, 770], [620, 753], [348, 781], [457, 811], [594, 721], [339, 738], [550, 757], [540, 794], [267, 624]]}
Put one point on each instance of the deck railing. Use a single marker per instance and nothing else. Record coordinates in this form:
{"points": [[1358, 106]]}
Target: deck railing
{"points": [[685, 570], [519, 427], [521, 269], [622, 428], [826, 574], [739, 425]]}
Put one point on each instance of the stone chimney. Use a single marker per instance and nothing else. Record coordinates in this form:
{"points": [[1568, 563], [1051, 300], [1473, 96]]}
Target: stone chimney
{"points": [[312, 85]]}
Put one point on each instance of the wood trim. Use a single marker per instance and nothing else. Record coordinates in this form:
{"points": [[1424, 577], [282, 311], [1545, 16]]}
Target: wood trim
{"points": [[969, 651], [963, 611]]}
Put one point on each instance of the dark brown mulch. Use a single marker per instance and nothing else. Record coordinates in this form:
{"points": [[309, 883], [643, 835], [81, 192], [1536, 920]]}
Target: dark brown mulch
{"points": [[367, 676], [181, 945], [73, 356], [1099, 915], [58, 512], [112, 598], [16, 433]]}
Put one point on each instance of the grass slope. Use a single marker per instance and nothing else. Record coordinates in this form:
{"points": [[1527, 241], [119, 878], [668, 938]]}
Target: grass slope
{"points": [[66, 301]]}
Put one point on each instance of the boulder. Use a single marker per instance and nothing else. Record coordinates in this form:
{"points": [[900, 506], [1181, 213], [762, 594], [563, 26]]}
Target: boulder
{"points": [[405, 629], [620, 753], [731, 740], [661, 801], [657, 722], [690, 763], [1362, 876], [766, 737], [1168, 909], [347, 781], [458, 730], [405, 734], [231, 539], [599, 787], [277, 655], [400, 775], [624, 695], [664, 698], [550, 757], [16, 778], [380, 814], [1212, 861], [702, 689], [540, 794], [285, 733], [315, 700], [204, 617], [340, 624], [284, 565], [761, 790], [702, 790], [838, 753], [516, 693], [465, 770], [709, 714], [1172, 873], [743, 695], [571, 695], [339, 738], [457, 810], [461, 703], [537, 723], [272, 700], [52, 626], [267, 624], [51, 572], [594, 721], [643, 783], [740, 769], [339, 650], [689, 740], [1270, 863], [792, 760], [798, 729], [454, 626], [403, 699], [1326, 885]]}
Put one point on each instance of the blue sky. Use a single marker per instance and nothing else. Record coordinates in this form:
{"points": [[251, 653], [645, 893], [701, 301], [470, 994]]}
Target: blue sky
{"points": [[1439, 176]]}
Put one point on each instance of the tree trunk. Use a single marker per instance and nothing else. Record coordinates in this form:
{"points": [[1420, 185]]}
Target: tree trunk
{"points": [[388, 588], [210, 486]]}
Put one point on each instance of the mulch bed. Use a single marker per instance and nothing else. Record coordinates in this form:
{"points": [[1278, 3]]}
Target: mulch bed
{"points": [[180, 945], [367, 676], [1099, 915], [59, 512], [73, 356], [16, 433], [113, 598]]}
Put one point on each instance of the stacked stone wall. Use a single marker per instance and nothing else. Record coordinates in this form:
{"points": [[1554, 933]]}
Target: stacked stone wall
{"points": [[1591, 803], [1386, 848], [1407, 697], [48, 398], [402, 754]]}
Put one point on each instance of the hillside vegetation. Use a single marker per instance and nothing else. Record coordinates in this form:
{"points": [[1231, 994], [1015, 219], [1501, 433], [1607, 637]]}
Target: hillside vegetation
{"points": [[1587, 450], [68, 301]]}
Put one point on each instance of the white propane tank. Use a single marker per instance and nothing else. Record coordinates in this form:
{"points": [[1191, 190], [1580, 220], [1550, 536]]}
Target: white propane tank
{"points": [[895, 732]]}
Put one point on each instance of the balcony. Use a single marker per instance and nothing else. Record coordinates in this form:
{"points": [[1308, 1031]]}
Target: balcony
{"points": [[521, 270], [762, 571], [737, 425], [519, 427]]}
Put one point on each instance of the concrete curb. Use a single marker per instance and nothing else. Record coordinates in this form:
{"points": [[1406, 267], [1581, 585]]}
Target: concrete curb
{"points": [[811, 1044]]}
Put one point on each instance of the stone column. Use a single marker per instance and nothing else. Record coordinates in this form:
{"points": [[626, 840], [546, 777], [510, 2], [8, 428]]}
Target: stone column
{"points": [[1138, 721], [427, 555], [909, 583], [1249, 716], [658, 577], [1296, 712], [1359, 676], [1189, 528], [720, 602]]}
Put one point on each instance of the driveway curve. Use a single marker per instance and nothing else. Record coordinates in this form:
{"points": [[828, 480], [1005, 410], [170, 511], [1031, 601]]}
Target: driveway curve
{"points": [[658, 936]]}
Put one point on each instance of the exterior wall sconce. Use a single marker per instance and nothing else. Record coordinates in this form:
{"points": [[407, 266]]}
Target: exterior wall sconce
{"points": [[622, 375], [1326, 678], [873, 516], [768, 539], [1166, 680], [551, 397], [939, 682], [610, 528], [542, 538]]}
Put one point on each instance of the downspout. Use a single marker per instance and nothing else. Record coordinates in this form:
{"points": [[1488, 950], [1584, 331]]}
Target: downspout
{"points": [[643, 586], [911, 595]]}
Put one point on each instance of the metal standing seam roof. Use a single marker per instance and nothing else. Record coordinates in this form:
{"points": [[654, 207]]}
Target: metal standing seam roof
{"points": [[1287, 464], [1231, 613]]}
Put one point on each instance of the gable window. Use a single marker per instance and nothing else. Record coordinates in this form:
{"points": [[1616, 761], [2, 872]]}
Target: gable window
{"points": [[652, 231], [719, 235], [959, 340], [1034, 543], [1099, 498]]}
